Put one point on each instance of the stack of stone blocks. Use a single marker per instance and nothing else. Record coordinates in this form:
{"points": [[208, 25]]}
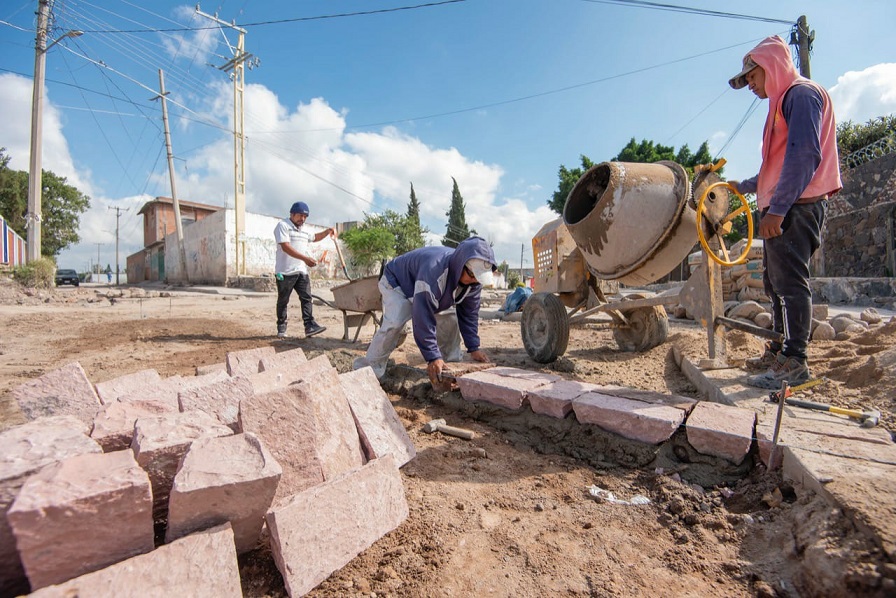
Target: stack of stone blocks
{"points": [[151, 482]]}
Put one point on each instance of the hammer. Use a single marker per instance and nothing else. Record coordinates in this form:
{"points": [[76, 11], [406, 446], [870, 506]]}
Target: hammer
{"points": [[439, 425], [868, 419]]}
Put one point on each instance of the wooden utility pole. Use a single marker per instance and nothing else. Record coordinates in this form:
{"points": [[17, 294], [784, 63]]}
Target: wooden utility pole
{"points": [[804, 40], [182, 252]]}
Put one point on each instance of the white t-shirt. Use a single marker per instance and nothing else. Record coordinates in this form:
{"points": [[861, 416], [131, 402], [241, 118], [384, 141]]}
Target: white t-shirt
{"points": [[299, 238]]}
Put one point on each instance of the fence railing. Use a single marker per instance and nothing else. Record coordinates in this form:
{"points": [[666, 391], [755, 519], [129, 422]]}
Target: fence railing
{"points": [[872, 151]]}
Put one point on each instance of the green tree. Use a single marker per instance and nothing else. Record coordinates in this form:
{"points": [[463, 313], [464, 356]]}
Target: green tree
{"points": [[853, 136], [368, 245], [410, 235], [61, 203], [568, 178], [456, 230]]}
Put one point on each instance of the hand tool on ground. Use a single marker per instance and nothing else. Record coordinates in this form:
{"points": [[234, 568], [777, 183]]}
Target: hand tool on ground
{"points": [[447, 382], [439, 425], [341, 259], [787, 390], [868, 419]]}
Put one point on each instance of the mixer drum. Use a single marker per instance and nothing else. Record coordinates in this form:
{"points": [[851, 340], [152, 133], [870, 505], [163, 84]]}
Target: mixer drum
{"points": [[632, 222]]}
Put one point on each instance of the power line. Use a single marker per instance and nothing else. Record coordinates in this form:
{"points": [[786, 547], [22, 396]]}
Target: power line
{"points": [[689, 10]]}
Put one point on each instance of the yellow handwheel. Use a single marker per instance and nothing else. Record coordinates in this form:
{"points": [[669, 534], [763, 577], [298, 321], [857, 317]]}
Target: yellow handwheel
{"points": [[723, 226]]}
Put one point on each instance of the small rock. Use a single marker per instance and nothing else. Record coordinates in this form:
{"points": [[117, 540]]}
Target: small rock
{"points": [[748, 519], [764, 590], [539, 507], [691, 519], [677, 506], [870, 315], [763, 320], [824, 332]]}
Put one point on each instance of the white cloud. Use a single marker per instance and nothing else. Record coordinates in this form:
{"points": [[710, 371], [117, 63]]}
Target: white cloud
{"points": [[860, 96]]}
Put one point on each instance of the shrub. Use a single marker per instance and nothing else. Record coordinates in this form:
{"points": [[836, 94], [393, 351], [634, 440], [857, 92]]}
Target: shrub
{"points": [[39, 274]]}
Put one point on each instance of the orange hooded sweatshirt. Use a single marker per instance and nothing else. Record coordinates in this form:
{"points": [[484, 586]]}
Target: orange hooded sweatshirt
{"points": [[773, 55]]}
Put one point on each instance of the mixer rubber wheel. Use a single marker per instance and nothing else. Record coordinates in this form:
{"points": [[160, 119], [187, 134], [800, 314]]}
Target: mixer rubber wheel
{"points": [[648, 327], [544, 327]]}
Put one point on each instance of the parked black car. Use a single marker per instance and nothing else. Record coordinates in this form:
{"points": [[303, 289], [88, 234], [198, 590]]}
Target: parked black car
{"points": [[67, 277]]}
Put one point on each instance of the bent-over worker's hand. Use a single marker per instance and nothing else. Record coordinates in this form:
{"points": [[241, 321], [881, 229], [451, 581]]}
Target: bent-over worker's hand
{"points": [[434, 369], [479, 356], [770, 226]]}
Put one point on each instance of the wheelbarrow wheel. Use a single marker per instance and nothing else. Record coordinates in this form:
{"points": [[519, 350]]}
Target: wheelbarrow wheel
{"points": [[648, 327], [544, 327]]}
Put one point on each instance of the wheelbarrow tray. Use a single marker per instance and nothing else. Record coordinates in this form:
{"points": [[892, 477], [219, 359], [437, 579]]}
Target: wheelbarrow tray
{"points": [[362, 295]]}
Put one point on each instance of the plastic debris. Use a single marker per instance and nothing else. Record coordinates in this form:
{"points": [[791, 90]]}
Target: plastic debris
{"points": [[606, 496]]}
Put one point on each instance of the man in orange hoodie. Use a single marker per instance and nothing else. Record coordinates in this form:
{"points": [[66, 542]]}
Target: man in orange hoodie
{"points": [[800, 170]]}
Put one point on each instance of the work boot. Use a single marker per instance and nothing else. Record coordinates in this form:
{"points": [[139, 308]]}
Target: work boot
{"points": [[315, 328], [281, 330], [792, 370], [763, 362]]}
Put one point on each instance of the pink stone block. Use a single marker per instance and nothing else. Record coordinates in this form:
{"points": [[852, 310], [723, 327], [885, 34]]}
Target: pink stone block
{"points": [[379, 426], [284, 360], [507, 387], [648, 396], [280, 378], [325, 527], [287, 427], [202, 565], [721, 430], [248, 361], [211, 368], [555, 399], [81, 515], [65, 391], [221, 399], [635, 420], [223, 479], [134, 384], [24, 450], [113, 426], [161, 442]]}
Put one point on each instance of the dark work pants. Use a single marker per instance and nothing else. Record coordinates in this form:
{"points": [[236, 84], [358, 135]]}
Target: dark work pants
{"points": [[301, 283], [786, 276]]}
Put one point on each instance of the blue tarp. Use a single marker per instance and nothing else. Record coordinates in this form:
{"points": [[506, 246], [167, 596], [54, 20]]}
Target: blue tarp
{"points": [[515, 300]]}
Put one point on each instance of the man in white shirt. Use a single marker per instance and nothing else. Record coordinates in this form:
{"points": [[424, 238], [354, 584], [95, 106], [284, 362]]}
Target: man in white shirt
{"points": [[292, 263]]}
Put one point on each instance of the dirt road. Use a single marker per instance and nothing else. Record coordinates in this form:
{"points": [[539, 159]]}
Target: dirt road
{"points": [[509, 513]]}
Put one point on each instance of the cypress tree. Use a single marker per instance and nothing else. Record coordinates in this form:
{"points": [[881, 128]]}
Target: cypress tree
{"points": [[457, 230]]}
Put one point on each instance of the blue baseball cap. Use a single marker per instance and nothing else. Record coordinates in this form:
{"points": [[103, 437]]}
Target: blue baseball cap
{"points": [[300, 207]]}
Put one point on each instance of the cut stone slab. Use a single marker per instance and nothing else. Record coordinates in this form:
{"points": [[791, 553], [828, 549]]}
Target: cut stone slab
{"points": [[201, 565], [379, 426], [864, 490], [648, 396], [221, 399], [211, 368], [507, 387], [65, 391], [247, 361], [819, 431], [161, 442], [81, 515], [555, 398], [286, 425], [232, 478], [129, 384], [636, 420], [280, 378], [24, 450], [721, 430], [325, 527], [284, 360], [113, 427]]}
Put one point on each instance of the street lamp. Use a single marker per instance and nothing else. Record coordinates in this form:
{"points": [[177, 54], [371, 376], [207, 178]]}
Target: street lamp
{"points": [[34, 174]]}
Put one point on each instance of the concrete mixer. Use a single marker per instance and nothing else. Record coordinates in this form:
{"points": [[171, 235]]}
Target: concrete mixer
{"points": [[634, 223]]}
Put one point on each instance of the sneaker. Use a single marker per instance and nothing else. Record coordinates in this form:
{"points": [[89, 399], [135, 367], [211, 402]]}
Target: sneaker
{"points": [[281, 330], [792, 370], [764, 362], [314, 329]]}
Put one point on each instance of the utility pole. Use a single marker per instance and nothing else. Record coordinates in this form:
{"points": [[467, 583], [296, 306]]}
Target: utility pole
{"points": [[237, 64], [182, 253], [33, 217], [98, 264], [522, 248], [803, 39], [117, 266]]}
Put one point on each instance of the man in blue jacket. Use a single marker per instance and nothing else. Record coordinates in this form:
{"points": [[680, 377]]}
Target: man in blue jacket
{"points": [[438, 290]]}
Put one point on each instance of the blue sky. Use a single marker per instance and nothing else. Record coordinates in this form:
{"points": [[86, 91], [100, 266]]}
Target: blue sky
{"points": [[345, 112]]}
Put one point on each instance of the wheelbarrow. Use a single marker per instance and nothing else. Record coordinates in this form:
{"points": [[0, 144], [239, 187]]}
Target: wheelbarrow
{"points": [[359, 301]]}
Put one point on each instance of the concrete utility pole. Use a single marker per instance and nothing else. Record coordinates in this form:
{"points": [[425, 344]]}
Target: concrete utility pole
{"points": [[803, 42], [237, 64], [98, 264], [182, 252], [117, 265], [33, 217]]}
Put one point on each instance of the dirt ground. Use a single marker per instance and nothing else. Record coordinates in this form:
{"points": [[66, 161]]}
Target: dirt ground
{"points": [[509, 513]]}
